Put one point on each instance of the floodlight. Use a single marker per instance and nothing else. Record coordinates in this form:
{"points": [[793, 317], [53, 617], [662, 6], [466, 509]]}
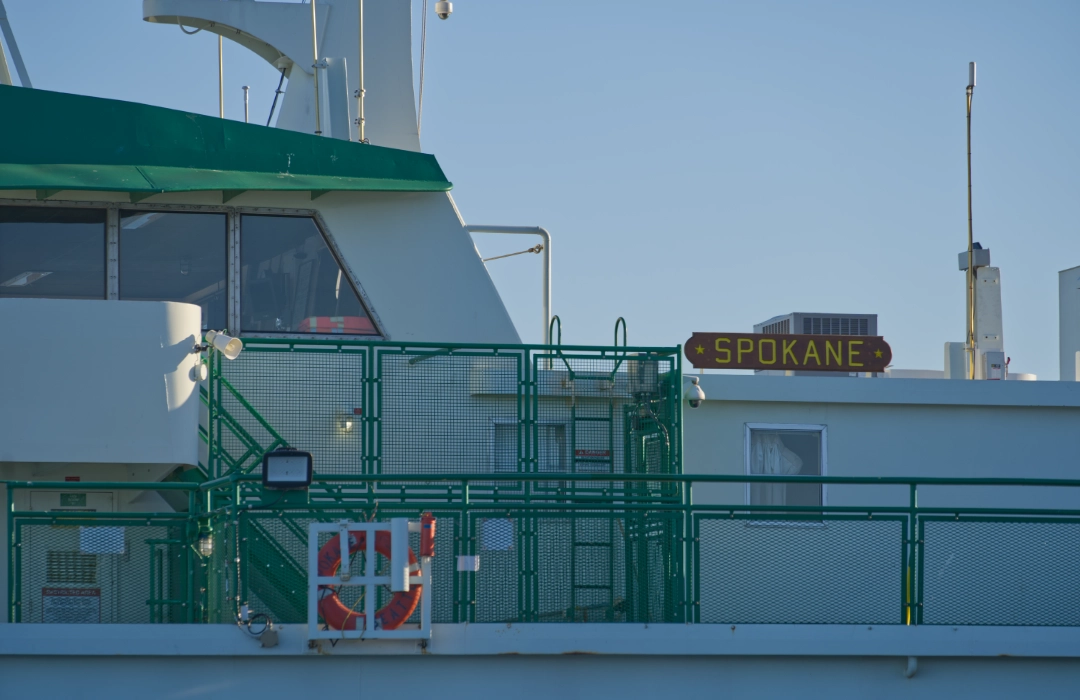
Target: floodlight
{"points": [[286, 469], [228, 346]]}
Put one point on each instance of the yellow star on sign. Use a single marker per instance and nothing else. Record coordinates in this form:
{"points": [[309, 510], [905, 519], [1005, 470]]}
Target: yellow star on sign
{"points": [[877, 353], [700, 350]]}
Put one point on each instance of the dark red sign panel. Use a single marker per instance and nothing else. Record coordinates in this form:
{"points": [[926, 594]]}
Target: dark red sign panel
{"points": [[819, 353]]}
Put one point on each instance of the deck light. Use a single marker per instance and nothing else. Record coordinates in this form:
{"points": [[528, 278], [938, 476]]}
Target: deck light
{"points": [[286, 469], [228, 346], [205, 544]]}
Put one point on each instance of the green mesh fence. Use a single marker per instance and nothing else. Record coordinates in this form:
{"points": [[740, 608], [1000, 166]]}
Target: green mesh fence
{"points": [[380, 408], [999, 571], [598, 566], [790, 569], [103, 571]]}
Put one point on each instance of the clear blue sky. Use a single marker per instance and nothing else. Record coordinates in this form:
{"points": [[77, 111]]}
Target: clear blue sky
{"points": [[707, 165]]}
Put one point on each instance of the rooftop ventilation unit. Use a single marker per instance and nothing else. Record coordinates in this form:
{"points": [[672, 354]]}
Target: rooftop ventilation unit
{"points": [[820, 324]]}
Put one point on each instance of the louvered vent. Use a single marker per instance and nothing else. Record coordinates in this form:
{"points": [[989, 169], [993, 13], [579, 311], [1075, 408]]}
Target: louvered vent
{"points": [[778, 327], [826, 325]]}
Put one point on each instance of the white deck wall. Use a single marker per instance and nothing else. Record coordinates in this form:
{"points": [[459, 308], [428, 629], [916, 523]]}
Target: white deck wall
{"points": [[898, 428]]}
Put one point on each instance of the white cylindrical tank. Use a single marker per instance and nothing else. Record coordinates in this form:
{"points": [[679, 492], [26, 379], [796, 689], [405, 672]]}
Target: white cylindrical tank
{"points": [[91, 381]]}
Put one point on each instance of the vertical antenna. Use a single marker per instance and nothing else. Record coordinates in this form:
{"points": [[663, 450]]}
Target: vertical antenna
{"points": [[423, 49], [315, 68], [971, 261], [360, 92], [220, 80], [245, 89]]}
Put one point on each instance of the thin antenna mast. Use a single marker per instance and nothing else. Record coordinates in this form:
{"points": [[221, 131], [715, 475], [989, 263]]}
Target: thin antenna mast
{"points": [[315, 68], [423, 49], [220, 80], [245, 88], [971, 261], [360, 91]]}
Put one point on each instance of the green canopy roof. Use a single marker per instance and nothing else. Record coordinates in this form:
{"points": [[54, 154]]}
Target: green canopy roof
{"points": [[54, 141]]}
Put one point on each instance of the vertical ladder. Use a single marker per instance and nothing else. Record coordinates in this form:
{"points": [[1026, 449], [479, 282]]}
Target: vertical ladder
{"points": [[592, 552]]}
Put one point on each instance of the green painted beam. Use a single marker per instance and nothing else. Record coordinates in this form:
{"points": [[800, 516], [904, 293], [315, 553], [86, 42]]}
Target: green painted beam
{"points": [[315, 194], [140, 196], [45, 194], [227, 195]]}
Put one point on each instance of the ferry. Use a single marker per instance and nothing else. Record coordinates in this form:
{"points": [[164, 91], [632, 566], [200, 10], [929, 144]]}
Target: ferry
{"points": [[267, 430]]}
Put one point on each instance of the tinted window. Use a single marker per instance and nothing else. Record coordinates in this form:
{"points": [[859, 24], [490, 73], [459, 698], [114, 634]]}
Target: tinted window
{"points": [[52, 252], [291, 283], [166, 256]]}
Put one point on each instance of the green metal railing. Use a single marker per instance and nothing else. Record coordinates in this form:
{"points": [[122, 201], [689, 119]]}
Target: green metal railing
{"points": [[593, 548], [363, 407]]}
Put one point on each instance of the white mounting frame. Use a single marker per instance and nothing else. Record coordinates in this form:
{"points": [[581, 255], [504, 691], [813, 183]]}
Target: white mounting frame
{"points": [[368, 579]]}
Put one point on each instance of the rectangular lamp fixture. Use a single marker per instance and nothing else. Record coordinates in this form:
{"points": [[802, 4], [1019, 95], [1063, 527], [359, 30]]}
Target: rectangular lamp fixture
{"points": [[286, 469]]}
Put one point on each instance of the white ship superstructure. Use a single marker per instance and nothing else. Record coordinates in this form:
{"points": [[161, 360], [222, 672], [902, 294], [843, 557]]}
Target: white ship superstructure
{"points": [[537, 520]]}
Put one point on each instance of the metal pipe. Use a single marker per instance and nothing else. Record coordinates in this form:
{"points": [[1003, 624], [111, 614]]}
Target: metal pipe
{"points": [[246, 113], [220, 80], [971, 262], [360, 91], [546, 284], [16, 56], [315, 68]]}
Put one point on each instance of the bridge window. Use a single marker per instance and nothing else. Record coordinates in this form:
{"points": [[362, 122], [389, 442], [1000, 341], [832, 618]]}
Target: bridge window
{"points": [[785, 450], [291, 282], [166, 256], [55, 253]]}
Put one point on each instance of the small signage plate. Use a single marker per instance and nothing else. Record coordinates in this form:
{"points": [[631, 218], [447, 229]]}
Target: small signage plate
{"points": [[816, 353]]}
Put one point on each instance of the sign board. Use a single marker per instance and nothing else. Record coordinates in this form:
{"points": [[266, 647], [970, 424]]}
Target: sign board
{"points": [[73, 500], [816, 353], [71, 605]]}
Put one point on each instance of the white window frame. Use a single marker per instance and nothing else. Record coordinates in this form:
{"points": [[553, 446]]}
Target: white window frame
{"points": [[792, 427]]}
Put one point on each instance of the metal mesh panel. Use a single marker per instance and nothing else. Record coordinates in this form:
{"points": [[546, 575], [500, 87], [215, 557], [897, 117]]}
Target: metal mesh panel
{"points": [[313, 399], [1000, 571], [438, 412], [220, 572], [839, 571], [362, 407], [104, 572], [584, 567]]}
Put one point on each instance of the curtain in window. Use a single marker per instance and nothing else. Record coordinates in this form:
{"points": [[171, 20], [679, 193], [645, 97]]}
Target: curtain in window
{"points": [[768, 455]]}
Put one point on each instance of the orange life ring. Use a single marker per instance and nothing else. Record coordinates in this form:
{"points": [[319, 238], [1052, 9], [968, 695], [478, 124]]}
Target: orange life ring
{"points": [[333, 611]]}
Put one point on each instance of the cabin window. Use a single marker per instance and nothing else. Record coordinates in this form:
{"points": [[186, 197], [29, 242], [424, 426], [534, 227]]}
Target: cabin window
{"points": [[54, 253], [291, 282], [785, 450], [166, 256]]}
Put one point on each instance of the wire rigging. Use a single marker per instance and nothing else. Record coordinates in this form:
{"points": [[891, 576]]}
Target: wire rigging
{"points": [[423, 48], [277, 93], [538, 248]]}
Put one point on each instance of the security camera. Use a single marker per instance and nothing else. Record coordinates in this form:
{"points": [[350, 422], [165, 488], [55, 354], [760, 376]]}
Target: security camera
{"points": [[695, 394], [443, 9]]}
